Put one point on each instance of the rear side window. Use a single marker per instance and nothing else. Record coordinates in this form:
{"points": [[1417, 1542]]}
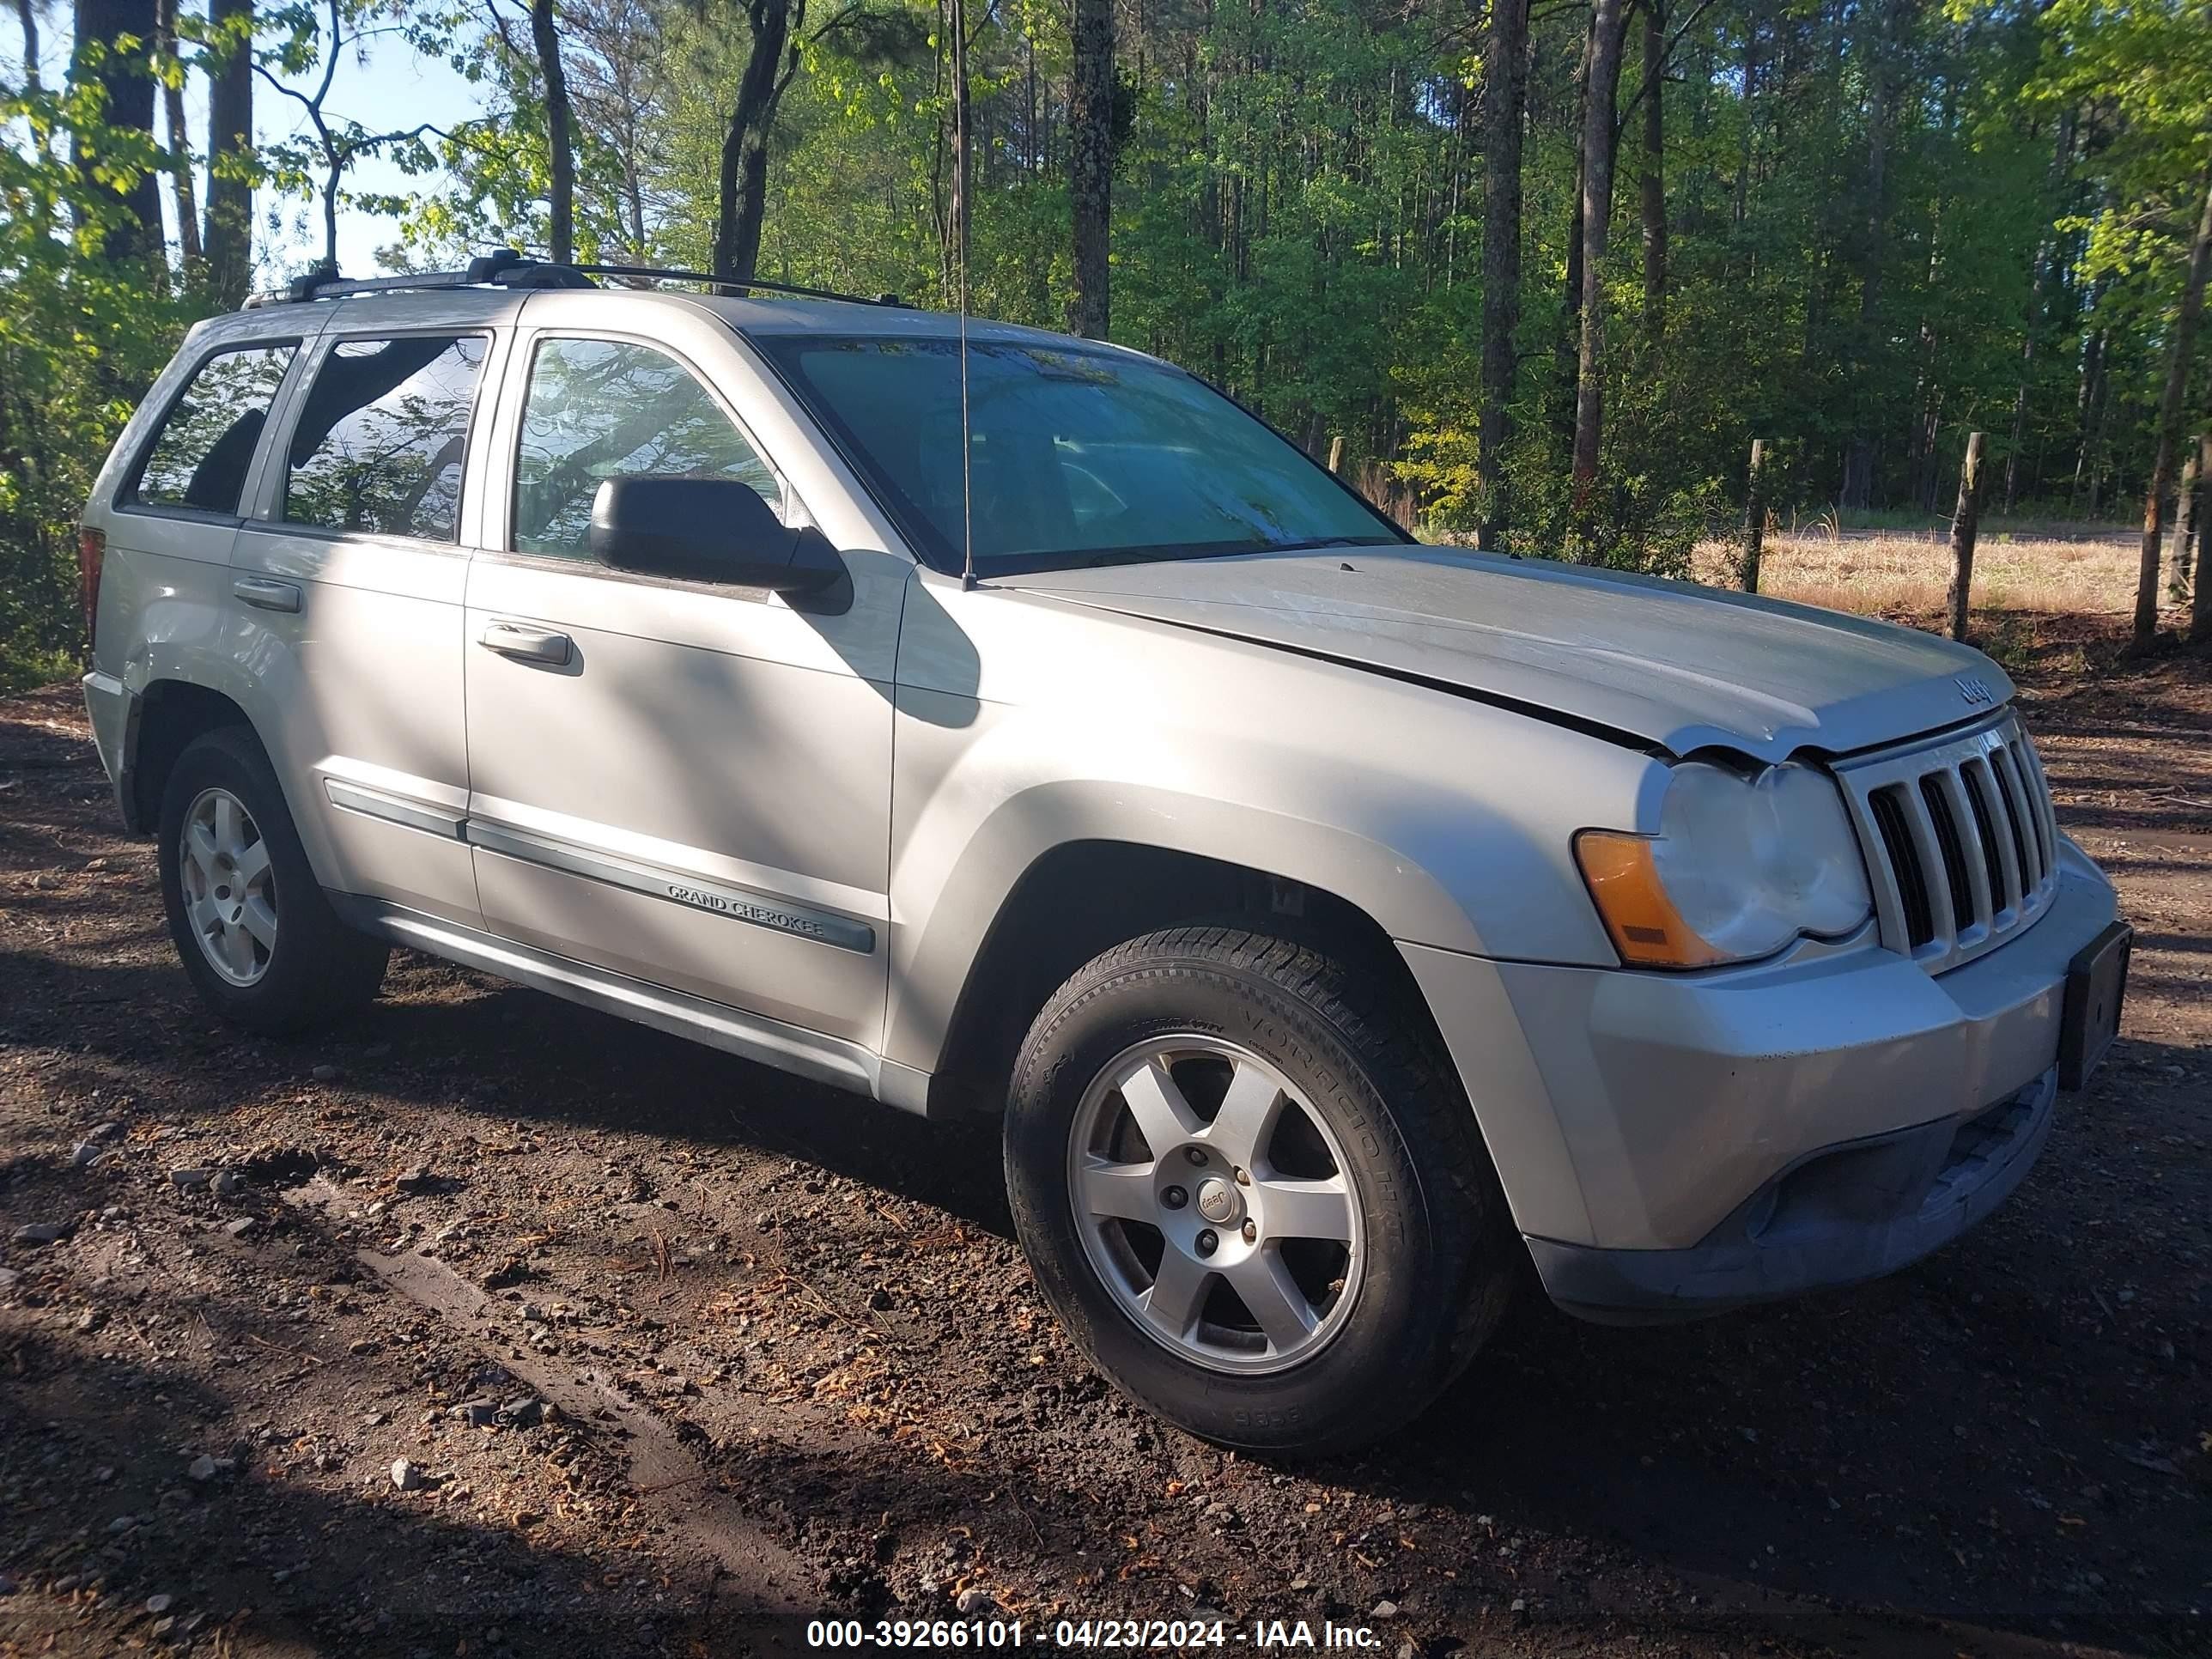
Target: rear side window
{"points": [[381, 437], [608, 408], [199, 458]]}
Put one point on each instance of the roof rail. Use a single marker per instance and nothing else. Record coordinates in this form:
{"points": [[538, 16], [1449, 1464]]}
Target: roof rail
{"points": [[665, 274], [506, 267]]}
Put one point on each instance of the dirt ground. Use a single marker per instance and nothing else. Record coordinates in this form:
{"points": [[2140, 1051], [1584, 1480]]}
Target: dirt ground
{"points": [[676, 1349]]}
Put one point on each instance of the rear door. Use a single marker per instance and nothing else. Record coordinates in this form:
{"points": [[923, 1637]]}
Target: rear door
{"points": [[349, 583], [683, 781]]}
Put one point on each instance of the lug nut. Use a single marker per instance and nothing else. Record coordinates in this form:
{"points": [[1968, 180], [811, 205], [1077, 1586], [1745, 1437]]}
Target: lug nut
{"points": [[1175, 1198], [1251, 1230], [1208, 1242], [1244, 1177], [1196, 1154]]}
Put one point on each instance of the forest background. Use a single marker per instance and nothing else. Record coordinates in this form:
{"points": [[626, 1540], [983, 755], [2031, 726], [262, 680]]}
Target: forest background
{"points": [[1535, 276]]}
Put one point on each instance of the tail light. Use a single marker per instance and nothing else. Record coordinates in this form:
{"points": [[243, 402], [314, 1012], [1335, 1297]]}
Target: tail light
{"points": [[91, 554]]}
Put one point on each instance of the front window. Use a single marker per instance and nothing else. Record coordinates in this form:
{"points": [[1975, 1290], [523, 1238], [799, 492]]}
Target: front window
{"points": [[609, 409], [1077, 455]]}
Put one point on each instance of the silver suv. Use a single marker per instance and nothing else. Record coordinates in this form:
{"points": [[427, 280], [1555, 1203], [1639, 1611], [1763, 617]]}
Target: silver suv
{"points": [[1344, 927]]}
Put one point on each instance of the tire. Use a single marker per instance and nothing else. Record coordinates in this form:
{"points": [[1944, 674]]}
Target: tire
{"points": [[1431, 1256], [311, 969]]}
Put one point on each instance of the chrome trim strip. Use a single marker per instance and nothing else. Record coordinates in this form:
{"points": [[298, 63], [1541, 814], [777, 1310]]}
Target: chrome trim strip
{"points": [[375, 804], [788, 1048], [719, 898]]}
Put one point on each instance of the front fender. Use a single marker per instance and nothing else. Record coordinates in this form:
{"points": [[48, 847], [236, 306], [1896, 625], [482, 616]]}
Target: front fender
{"points": [[1447, 821]]}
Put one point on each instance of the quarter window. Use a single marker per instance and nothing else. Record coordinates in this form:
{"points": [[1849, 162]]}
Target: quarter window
{"points": [[199, 458], [382, 435], [607, 408]]}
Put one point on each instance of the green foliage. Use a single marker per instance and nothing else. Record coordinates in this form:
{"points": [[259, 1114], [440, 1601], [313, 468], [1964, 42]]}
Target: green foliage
{"points": [[1297, 216], [81, 338]]}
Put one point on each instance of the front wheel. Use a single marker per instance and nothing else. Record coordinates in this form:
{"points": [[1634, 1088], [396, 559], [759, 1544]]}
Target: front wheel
{"points": [[1250, 1192]]}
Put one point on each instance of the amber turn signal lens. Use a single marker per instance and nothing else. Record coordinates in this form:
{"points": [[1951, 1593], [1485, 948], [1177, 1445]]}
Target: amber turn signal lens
{"points": [[1624, 883]]}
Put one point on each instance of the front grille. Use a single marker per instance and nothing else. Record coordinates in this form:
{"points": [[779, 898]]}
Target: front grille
{"points": [[1958, 838]]}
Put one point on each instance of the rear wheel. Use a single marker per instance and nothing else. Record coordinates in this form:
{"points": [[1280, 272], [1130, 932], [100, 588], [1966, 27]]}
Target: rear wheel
{"points": [[1250, 1192], [252, 927]]}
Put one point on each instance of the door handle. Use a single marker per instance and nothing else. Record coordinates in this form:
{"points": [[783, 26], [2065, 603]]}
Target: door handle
{"points": [[265, 595], [526, 644]]}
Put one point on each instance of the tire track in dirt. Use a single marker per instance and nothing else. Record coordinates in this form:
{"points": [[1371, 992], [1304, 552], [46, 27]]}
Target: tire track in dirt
{"points": [[754, 1580]]}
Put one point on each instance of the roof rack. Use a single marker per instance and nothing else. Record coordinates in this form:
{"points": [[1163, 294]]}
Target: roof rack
{"points": [[506, 267]]}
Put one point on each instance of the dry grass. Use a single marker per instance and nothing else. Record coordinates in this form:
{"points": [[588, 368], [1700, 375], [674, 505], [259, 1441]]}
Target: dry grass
{"points": [[2078, 570]]}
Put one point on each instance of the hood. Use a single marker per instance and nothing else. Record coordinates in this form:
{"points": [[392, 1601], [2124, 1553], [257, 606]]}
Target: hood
{"points": [[1667, 663]]}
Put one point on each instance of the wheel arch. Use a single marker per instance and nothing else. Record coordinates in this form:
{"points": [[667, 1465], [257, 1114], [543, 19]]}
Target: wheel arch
{"points": [[167, 715], [1080, 897]]}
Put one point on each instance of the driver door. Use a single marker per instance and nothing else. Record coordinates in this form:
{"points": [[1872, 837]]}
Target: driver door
{"points": [[681, 782]]}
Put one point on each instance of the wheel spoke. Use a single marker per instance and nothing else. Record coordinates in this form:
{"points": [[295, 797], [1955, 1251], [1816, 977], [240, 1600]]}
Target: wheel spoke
{"points": [[252, 862], [205, 922], [226, 838], [199, 841], [1120, 1190], [256, 919], [1247, 1117], [1305, 1209], [238, 950], [1164, 1116], [1178, 1292], [1273, 1297]]}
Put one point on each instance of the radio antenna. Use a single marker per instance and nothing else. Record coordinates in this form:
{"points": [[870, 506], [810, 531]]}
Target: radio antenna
{"points": [[960, 237]]}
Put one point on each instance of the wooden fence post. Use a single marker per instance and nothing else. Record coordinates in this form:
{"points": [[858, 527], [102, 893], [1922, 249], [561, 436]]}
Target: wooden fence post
{"points": [[1964, 524], [1336, 453], [2188, 514], [1754, 517]]}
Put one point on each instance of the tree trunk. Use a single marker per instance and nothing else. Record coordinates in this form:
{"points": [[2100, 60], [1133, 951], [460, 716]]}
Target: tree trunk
{"points": [[2198, 454], [2046, 256], [741, 197], [1566, 344], [560, 144], [1505, 89], [133, 230], [1609, 24], [1857, 489], [180, 141], [2200, 598], [2179, 363], [230, 152], [27, 18], [1754, 515], [1091, 165], [1966, 524], [1655, 181]]}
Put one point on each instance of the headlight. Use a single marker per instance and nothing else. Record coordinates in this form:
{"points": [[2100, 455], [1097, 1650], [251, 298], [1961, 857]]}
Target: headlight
{"points": [[1740, 866]]}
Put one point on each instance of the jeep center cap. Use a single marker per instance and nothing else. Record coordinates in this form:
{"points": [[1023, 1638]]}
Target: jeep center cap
{"points": [[1217, 1200]]}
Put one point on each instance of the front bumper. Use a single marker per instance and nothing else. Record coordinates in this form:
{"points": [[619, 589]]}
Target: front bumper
{"points": [[1676, 1143]]}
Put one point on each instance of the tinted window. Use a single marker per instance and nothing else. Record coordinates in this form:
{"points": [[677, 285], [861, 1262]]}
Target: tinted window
{"points": [[381, 436], [1075, 455], [199, 458], [605, 408]]}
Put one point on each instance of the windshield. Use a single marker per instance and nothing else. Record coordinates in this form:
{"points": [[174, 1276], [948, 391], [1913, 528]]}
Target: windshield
{"points": [[1079, 456]]}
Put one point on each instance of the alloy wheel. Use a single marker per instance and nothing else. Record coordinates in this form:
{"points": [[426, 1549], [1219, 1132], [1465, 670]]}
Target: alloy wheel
{"points": [[1215, 1204], [230, 892]]}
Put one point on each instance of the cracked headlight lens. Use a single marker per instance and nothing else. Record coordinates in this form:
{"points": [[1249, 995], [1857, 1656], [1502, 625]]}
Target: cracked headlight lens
{"points": [[1741, 865]]}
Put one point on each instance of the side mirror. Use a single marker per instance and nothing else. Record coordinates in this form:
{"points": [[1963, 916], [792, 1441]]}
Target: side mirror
{"points": [[706, 530]]}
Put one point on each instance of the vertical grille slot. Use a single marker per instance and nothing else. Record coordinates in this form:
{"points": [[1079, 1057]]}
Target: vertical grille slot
{"points": [[1887, 806], [1953, 851], [2039, 795], [2016, 815], [2003, 889]]}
